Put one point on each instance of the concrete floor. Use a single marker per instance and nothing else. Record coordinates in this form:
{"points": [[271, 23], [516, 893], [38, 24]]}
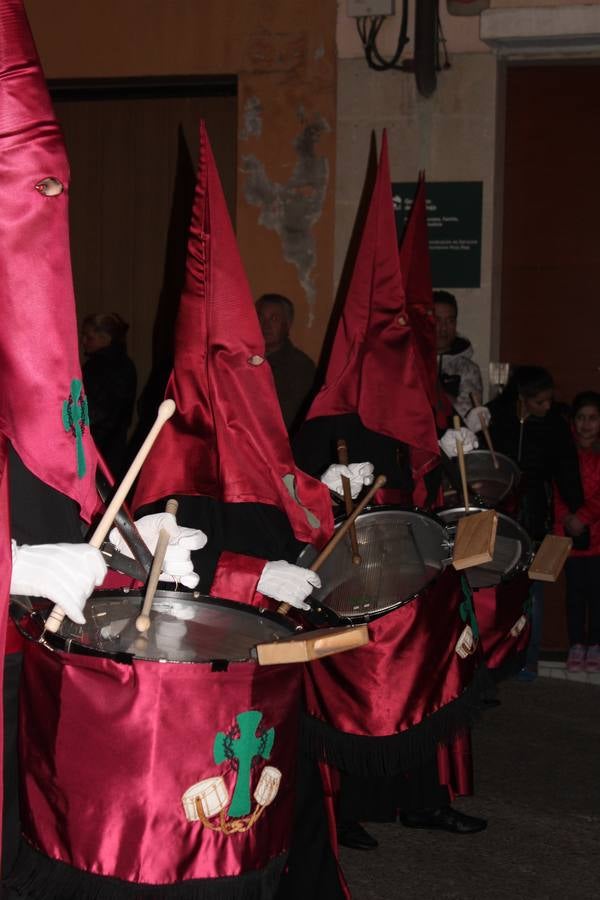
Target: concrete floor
{"points": [[537, 769]]}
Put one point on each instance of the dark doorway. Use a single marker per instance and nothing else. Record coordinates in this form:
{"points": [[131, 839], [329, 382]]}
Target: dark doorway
{"points": [[551, 261], [133, 148]]}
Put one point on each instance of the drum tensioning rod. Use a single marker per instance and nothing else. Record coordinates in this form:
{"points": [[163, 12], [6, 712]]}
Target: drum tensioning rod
{"points": [[343, 459], [165, 411], [328, 549], [460, 453], [142, 623]]}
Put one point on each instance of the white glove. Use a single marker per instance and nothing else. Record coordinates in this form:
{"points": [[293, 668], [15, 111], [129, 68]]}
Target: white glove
{"points": [[178, 565], [473, 420], [448, 441], [287, 583], [465, 645], [360, 474], [64, 573], [518, 627]]}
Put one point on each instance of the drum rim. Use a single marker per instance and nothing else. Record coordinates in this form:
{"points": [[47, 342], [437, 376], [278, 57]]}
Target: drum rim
{"points": [[388, 507], [58, 641]]}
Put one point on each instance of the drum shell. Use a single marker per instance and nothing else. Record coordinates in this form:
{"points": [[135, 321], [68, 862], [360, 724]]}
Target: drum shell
{"points": [[513, 550], [402, 552], [109, 750], [380, 709]]}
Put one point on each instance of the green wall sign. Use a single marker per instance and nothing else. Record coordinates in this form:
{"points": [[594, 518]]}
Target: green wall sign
{"points": [[454, 210]]}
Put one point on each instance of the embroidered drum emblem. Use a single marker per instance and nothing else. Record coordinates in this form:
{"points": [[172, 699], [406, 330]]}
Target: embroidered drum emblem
{"points": [[243, 748]]}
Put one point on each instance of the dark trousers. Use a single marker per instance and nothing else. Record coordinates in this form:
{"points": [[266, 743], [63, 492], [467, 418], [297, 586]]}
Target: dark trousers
{"points": [[381, 798], [583, 599], [11, 824]]}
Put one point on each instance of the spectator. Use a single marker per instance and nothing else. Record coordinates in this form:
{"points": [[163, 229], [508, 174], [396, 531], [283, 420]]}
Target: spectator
{"points": [[110, 381], [528, 426], [293, 370], [583, 566], [459, 375]]}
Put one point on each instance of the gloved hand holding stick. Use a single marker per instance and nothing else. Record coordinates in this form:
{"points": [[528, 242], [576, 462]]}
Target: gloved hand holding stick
{"points": [[342, 451], [165, 411], [283, 608]]}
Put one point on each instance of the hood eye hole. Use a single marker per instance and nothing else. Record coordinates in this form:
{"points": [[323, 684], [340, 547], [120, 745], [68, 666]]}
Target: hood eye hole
{"points": [[49, 187]]}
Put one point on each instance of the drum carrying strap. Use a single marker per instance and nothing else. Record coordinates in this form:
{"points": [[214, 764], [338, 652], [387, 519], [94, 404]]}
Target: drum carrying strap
{"points": [[467, 610]]}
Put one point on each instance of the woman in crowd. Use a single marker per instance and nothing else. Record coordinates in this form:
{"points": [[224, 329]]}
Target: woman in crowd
{"points": [[529, 427], [583, 566]]}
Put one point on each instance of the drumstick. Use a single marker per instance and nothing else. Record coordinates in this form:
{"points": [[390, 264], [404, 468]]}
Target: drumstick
{"points": [[461, 464], [328, 549], [165, 411], [486, 432], [142, 623], [342, 451]]}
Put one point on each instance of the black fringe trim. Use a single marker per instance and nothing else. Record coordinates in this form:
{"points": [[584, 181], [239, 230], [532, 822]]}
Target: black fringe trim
{"points": [[38, 877], [511, 666], [396, 753]]}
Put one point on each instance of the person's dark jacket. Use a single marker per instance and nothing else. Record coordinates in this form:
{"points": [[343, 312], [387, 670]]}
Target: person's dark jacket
{"points": [[294, 375], [315, 448], [548, 454], [109, 379]]}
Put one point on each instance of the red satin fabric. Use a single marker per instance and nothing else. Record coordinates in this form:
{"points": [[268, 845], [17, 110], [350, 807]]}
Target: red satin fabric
{"points": [[407, 672], [374, 368], [109, 749], [416, 272], [38, 339], [236, 577], [497, 610], [227, 439], [455, 765]]}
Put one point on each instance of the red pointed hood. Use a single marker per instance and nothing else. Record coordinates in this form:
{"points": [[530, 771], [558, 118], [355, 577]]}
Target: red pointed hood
{"points": [[227, 439], [374, 369], [42, 408], [416, 272]]}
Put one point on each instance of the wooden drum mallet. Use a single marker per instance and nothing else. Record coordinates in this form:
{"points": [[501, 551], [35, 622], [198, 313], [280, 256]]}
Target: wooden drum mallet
{"points": [[460, 453], [165, 411], [326, 552], [486, 432], [142, 623]]}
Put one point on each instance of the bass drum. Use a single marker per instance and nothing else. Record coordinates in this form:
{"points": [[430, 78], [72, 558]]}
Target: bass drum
{"points": [[513, 550], [401, 551], [490, 484]]}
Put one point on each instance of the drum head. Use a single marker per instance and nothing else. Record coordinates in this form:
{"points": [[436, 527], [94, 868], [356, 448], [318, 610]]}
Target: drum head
{"points": [[184, 627], [490, 484], [512, 552], [401, 552]]}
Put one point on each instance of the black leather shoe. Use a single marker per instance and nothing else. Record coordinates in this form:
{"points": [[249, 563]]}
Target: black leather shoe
{"points": [[353, 835], [444, 819]]}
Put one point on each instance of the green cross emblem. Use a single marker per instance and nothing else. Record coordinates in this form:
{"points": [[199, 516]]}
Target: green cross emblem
{"points": [[242, 751], [75, 419]]}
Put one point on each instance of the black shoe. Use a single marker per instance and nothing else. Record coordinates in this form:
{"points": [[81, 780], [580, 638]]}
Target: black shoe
{"points": [[353, 835], [445, 819]]}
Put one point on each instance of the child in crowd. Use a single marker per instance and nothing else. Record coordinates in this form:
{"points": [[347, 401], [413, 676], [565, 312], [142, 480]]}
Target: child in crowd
{"points": [[583, 565]]}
